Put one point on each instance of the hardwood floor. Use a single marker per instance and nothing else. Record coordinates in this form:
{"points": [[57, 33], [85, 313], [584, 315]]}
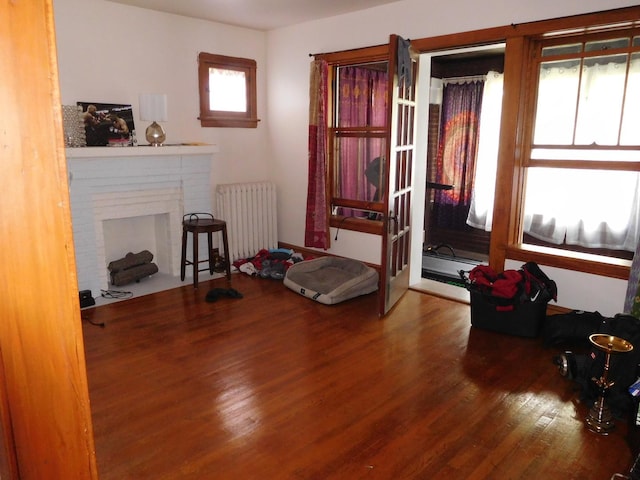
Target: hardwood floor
{"points": [[276, 386]]}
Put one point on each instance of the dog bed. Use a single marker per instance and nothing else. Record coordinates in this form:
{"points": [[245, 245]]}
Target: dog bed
{"points": [[331, 280]]}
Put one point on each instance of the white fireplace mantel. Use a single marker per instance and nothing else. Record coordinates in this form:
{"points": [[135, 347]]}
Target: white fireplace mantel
{"points": [[141, 151]]}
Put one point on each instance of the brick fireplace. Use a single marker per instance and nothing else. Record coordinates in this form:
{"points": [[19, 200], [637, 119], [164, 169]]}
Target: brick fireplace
{"points": [[164, 205], [142, 186]]}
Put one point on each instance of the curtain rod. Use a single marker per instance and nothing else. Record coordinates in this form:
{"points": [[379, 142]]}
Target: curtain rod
{"points": [[348, 50], [469, 78]]}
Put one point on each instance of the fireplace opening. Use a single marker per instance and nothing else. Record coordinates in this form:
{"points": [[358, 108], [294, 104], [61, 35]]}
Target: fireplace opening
{"points": [[136, 234], [135, 221]]}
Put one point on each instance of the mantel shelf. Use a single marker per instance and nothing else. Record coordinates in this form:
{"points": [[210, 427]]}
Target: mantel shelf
{"points": [[140, 151]]}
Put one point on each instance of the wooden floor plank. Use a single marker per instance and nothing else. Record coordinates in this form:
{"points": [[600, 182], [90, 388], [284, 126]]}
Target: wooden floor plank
{"points": [[275, 386]]}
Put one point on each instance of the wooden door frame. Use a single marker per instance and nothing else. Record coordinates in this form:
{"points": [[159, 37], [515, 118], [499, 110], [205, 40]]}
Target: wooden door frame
{"points": [[46, 418]]}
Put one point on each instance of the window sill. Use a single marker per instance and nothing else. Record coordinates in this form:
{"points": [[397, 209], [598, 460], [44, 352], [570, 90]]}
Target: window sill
{"points": [[357, 224], [229, 122], [579, 262]]}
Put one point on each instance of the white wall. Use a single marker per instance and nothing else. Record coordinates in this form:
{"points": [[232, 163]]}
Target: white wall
{"points": [[110, 53], [287, 84]]}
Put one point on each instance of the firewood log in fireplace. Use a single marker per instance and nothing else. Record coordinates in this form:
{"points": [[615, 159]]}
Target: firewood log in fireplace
{"points": [[130, 260], [133, 274], [132, 268]]}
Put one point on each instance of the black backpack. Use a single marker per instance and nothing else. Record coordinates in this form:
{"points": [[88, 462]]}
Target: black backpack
{"points": [[623, 367]]}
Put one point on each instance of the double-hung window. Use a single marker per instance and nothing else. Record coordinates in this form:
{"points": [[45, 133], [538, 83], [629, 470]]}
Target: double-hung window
{"points": [[357, 139], [582, 152]]}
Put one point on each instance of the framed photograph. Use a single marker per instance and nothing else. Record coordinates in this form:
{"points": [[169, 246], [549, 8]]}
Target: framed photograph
{"points": [[107, 124]]}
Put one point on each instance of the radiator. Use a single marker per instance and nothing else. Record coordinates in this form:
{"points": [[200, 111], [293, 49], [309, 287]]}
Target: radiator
{"points": [[250, 212]]}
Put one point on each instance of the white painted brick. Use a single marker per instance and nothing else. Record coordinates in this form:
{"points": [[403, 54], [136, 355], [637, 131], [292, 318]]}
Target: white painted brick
{"points": [[111, 188]]}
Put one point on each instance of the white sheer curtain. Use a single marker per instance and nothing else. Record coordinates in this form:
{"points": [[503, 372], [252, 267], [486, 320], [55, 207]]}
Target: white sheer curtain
{"points": [[227, 90], [565, 203], [596, 209], [481, 211], [590, 208], [600, 104]]}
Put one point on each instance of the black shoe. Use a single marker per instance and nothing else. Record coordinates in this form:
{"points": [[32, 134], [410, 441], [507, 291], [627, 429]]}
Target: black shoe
{"points": [[233, 293], [214, 294]]}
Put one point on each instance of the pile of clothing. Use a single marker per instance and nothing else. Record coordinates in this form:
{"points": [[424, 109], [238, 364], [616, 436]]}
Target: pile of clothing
{"points": [[272, 263], [511, 287]]}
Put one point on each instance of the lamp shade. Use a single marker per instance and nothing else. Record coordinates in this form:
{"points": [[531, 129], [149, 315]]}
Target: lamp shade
{"points": [[153, 107]]}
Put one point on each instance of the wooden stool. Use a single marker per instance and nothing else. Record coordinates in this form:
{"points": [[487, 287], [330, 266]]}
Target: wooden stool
{"points": [[197, 223]]}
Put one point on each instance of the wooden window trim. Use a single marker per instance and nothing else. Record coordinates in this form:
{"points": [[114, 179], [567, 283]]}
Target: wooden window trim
{"points": [[507, 227], [378, 53], [357, 55], [585, 165], [362, 225], [353, 132], [513, 247], [216, 118], [576, 261]]}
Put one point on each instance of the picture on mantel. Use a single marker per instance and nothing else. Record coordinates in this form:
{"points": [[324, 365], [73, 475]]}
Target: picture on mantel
{"points": [[107, 124]]}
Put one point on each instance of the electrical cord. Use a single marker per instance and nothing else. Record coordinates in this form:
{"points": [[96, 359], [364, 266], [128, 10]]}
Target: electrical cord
{"points": [[436, 249], [97, 324], [340, 226], [116, 294]]}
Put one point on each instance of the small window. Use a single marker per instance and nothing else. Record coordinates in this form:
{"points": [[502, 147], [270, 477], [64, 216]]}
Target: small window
{"points": [[227, 91]]}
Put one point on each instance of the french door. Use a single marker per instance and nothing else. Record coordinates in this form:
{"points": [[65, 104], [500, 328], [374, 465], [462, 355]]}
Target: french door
{"points": [[399, 162]]}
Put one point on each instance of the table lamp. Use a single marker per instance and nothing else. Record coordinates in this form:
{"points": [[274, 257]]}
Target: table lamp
{"points": [[153, 108]]}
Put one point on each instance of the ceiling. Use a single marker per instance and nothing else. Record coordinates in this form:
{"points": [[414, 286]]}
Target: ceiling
{"points": [[257, 14]]}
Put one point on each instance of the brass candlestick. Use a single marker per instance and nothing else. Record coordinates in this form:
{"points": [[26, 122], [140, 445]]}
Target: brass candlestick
{"points": [[599, 419]]}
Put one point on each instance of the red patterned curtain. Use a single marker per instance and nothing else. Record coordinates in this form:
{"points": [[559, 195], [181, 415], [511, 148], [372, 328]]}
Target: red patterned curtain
{"points": [[362, 101], [455, 164], [317, 221]]}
